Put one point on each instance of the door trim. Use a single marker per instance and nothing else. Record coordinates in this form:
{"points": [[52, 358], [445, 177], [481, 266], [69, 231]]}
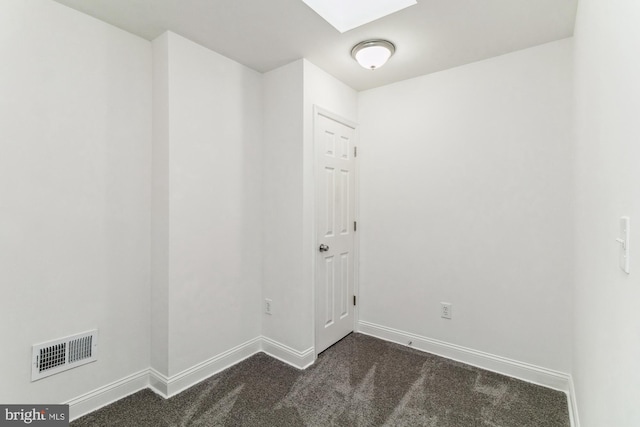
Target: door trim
{"points": [[317, 112]]}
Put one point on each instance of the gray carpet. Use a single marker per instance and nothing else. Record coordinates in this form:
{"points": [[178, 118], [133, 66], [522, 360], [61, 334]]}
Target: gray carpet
{"points": [[360, 381]]}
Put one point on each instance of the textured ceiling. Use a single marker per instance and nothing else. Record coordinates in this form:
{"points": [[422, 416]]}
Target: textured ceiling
{"points": [[264, 34]]}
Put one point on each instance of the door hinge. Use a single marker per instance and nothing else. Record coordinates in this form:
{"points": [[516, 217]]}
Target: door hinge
{"points": [[354, 300], [355, 225], [355, 151]]}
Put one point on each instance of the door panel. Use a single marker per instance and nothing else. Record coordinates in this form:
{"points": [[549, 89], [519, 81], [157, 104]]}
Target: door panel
{"points": [[335, 209]]}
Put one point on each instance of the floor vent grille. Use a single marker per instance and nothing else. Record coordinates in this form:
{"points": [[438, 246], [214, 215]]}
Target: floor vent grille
{"points": [[66, 353]]}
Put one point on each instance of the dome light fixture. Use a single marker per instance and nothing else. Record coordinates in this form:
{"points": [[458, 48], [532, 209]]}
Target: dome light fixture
{"points": [[373, 54]]}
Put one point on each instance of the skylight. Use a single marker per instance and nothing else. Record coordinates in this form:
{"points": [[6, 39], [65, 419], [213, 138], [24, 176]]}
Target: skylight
{"points": [[346, 15]]}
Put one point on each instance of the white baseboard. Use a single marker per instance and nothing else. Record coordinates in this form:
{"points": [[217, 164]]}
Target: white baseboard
{"points": [[573, 404], [170, 386], [96, 399], [158, 383], [501, 365], [295, 358]]}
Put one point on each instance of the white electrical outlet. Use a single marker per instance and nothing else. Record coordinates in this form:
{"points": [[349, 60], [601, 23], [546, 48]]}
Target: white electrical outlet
{"points": [[625, 233], [268, 305], [445, 310]]}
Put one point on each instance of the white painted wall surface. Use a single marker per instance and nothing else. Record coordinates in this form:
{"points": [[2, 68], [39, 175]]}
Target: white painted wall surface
{"points": [[159, 296], [607, 301], [215, 172], [283, 278], [75, 144], [290, 93], [466, 197], [324, 90]]}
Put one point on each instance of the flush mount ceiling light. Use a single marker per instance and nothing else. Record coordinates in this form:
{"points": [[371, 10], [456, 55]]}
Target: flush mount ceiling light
{"points": [[373, 54], [346, 15]]}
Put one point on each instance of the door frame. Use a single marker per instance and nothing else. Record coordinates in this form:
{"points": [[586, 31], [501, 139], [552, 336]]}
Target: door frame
{"points": [[317, 112]]}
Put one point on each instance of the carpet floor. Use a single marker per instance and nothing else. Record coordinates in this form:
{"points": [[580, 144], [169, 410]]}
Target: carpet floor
{"points": [[360, 381]]}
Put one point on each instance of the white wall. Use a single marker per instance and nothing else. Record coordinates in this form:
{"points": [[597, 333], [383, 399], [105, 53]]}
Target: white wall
{"points": [[75, 144], [290, 92], [466, 197], [282, 276], [159, 295], [607, 311], [214, 201]]}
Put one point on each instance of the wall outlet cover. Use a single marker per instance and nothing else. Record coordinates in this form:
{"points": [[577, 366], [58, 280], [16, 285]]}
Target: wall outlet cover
{"points": [[445, 310]]}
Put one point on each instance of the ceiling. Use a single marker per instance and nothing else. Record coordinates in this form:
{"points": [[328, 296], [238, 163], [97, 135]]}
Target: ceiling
{"points": [[431, 36]]}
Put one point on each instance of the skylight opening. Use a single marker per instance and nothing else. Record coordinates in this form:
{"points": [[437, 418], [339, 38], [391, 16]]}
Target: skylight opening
{"points": [[345, 15]]}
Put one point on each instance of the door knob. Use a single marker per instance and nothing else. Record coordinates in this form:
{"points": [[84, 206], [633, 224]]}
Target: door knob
{"points": [[323, 248]]}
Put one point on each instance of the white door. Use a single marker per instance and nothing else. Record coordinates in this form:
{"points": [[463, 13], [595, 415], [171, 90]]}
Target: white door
{"points": [[335, 204]]}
